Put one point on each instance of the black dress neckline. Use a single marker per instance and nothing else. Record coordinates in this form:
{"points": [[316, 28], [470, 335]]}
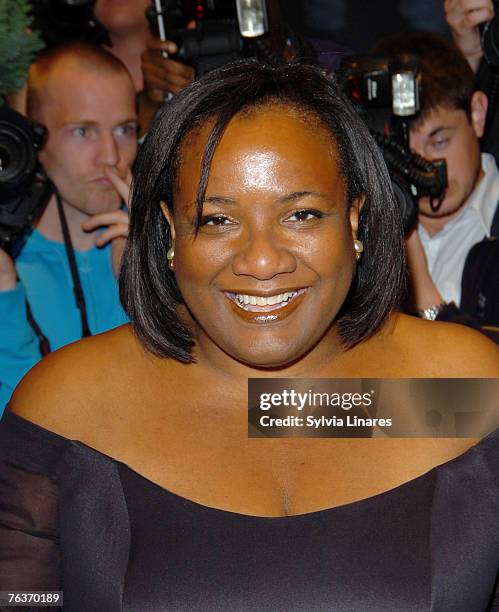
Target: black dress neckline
{"points": [[58, 439]]}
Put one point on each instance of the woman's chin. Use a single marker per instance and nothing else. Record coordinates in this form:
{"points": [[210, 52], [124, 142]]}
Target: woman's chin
{"points": [[269, 357]]}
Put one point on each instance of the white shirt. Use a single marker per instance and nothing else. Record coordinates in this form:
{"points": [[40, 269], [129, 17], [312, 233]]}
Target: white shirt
{"points": [[446, 251]]}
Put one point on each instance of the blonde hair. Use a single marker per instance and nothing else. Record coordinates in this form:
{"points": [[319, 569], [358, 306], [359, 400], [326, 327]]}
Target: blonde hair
{"points": [[84, 56]]}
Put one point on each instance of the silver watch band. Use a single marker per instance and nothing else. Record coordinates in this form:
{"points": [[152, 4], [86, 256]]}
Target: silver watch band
{"points": [[432, 312]]}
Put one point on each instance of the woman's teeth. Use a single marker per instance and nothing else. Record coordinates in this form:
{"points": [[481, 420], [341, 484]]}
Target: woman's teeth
{"points": [[278, 300]]}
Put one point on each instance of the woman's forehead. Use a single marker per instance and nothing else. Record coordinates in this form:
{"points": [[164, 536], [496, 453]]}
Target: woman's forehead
{"points": [[262, 133]]}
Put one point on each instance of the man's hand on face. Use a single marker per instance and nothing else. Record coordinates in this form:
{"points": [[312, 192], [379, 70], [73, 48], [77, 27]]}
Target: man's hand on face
{"points": [[423, 289], [463, 18], [116, 222], [8, 276]]}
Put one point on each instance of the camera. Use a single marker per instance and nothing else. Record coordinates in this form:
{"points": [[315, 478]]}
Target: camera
{"points": [[386, 93], [213, 42], [24, 187], [225, 30]]}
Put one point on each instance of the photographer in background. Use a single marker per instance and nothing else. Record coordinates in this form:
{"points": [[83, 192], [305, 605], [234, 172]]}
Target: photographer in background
{"points": [[164, 75], [62, 285], [133, 43], [156, 71], [453, 270]]}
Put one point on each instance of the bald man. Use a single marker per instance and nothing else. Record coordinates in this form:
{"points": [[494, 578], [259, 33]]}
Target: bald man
{"points": [[86, 99]]}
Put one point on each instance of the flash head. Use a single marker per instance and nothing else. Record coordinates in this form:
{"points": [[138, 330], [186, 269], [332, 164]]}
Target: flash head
{"points": [[252, 18]]}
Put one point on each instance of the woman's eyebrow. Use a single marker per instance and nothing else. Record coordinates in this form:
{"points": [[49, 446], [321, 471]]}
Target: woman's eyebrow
{"points": [[216, 199], [289, 197], [296, 195]]}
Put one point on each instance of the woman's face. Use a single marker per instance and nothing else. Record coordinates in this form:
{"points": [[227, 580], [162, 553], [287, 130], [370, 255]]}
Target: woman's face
{"points": [[273, 260]]}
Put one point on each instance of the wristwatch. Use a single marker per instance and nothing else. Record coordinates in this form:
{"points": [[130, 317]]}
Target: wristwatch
{"points": [[432, 312]]}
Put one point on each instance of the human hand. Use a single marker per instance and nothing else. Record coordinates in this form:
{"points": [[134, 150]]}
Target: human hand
{"points": [[423, 289], [8, 275], [163, 74], [463, 18], [117, 222]]}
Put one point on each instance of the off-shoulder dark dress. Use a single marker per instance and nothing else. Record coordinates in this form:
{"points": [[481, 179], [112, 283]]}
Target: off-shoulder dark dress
{"points": [[74, 519]]}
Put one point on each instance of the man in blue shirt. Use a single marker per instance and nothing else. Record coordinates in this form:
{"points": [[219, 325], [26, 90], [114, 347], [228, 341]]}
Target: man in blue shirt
{"points": [[86, 99]]}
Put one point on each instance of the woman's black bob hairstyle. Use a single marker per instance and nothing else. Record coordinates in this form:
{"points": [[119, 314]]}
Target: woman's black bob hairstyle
{"points": [[148, 290]]}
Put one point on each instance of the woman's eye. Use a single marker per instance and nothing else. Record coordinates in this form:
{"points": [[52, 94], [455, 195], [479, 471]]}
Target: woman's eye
{"points": [[215, 220], [305, 215]]}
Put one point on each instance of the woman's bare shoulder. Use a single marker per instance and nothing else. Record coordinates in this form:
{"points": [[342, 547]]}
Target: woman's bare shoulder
{"points": [[442, 350], [73, 390]]}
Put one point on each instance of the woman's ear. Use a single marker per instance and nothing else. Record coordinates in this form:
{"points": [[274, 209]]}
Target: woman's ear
{"points": [[169, 217], [354, 214]]}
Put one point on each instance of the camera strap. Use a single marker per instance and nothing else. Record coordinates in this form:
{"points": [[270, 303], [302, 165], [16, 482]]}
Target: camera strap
{"points": [[43, 341], [77, 288]]}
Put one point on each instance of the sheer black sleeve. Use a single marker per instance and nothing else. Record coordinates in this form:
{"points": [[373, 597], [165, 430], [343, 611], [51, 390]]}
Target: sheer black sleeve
{"points": [[29, 543]]}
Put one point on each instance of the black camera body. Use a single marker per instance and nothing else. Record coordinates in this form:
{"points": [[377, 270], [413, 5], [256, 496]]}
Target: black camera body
{"points": [[216, 38], [24, 187], [386, 93], [214, 41]]}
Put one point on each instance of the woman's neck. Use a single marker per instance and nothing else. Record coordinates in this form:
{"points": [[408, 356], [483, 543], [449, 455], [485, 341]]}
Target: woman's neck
{"points": [[319, 361]]}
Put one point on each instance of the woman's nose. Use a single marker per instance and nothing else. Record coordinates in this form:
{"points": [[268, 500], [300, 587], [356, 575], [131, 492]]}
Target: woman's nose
{"points": [[263, 256]]}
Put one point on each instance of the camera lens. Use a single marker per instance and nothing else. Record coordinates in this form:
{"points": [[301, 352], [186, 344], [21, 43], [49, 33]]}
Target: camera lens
{"points": [[5, 160], [24, 187], [17, 157]]}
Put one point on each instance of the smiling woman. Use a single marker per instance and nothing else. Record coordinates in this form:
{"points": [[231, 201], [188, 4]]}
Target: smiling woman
{"points": [[276, 234], [290, 144], [264, 242]]}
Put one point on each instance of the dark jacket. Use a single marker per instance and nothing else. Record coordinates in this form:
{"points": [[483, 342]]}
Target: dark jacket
{"points": [[479, 287]]}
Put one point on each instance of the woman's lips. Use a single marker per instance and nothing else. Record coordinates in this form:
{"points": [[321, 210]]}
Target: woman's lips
{"points": [[266, 313]]}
